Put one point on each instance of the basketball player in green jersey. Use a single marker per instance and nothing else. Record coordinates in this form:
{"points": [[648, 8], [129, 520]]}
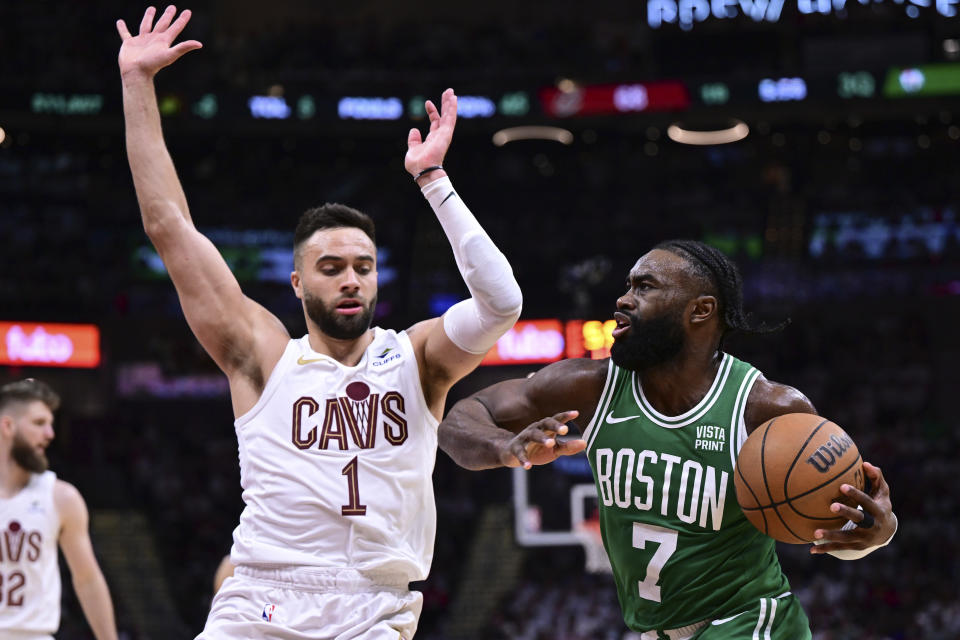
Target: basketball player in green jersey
{"points": [[667, 414]]}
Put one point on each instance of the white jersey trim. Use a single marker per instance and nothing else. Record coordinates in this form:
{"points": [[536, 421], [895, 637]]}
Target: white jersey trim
{"points": [[738, 425], [302, 347], [694, 414], [404, 340], [273, 383], [609, 386]]}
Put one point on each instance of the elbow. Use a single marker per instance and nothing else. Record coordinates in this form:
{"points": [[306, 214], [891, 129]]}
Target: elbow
{"points": [[509, 303], [490, 278], [161, 219], [504, 301], [448, 442], [86, 579]]}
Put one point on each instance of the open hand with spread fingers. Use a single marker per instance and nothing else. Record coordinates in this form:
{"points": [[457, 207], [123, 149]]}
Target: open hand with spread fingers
{"points": [[153, 49], [429, 152], [538, 443], [876, 522]]}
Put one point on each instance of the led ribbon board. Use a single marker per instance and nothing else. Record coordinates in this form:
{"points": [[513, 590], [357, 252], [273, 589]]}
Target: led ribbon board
{"points": [[49, 344], [606, 99], [924, 80], [528, 342]]}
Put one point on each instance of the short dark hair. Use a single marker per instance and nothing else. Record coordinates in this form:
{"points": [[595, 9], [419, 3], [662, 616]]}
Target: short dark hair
{"points": [[720, 273], [331, 215], [28, 390]]}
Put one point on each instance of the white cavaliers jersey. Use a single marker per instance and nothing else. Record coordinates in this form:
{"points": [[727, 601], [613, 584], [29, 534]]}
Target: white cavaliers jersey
{"points": [[29, 569], [336, 464]]}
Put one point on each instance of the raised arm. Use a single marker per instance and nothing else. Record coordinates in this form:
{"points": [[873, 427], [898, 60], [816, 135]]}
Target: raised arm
{"points": [[516, 422], [239, 334], [88, 581], [449, 348]]}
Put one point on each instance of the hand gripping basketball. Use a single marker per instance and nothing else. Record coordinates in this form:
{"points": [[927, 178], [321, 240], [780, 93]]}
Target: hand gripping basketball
{"points": [[538, 443], [876, 505]]}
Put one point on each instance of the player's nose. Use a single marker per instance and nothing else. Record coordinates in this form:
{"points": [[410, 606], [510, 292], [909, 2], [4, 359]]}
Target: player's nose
{"points": [[350, 282], [625, 302]]}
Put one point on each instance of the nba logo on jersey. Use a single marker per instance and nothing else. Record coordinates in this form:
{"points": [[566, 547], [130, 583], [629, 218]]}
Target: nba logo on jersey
{"points": [[269, 610]]}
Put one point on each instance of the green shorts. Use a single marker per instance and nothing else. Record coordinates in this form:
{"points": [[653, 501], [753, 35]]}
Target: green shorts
{"points": [[780, 618]]}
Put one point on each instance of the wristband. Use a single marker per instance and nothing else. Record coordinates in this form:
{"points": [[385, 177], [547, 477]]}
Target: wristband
{"points": [[426, 171]]}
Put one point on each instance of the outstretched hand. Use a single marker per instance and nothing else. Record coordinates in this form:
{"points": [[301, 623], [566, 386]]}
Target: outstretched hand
{"points": [[153, 49], [429, 152], [876, 506], [538, 444]]}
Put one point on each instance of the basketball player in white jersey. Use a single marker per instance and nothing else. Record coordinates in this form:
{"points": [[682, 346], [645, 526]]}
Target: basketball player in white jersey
{"points": [[38, 512], [337, 429]]}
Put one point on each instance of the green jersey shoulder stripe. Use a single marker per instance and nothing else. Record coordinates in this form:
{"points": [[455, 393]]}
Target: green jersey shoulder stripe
{"points": [[608, 388], [738, 426]]}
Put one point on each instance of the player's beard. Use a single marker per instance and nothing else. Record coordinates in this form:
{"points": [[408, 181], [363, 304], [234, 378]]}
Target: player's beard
{"points": [[336, 325], [27, 456], [649, 342]]}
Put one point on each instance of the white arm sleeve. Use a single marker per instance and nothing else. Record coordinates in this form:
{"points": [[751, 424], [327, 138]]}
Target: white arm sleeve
{"points": [[475, 324], [852, 554]]}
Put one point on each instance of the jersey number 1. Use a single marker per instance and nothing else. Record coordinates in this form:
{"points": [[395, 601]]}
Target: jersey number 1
{"points": [[353, 508], [667, 538]]}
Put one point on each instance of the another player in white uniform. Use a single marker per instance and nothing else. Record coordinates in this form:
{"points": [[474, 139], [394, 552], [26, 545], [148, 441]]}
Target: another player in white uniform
{"points": [[337, 429], [37, 512]]}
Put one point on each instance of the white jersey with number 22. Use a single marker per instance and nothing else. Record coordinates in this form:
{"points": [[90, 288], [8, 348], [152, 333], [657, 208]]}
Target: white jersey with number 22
{"points": [[29, 569]]}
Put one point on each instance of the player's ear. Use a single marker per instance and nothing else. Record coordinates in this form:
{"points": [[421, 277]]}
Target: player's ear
{"points": [[6, 426], [704, 308], [295, 283]]}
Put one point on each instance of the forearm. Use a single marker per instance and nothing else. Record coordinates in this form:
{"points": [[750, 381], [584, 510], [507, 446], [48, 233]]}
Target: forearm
{"points": [[94, 597], [471, 438], [159, 192], [475, 325]]}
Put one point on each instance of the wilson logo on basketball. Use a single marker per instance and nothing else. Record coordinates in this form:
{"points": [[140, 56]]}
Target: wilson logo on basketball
{"points": [[350, 421], [828, 453]]}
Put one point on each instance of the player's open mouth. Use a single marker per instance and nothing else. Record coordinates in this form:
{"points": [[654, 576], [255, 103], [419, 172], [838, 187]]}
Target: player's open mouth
{"points": [[623, 324], [349, 307]]}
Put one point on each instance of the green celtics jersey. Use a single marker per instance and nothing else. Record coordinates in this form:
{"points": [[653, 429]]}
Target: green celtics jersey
{"points": [[681, 549]]}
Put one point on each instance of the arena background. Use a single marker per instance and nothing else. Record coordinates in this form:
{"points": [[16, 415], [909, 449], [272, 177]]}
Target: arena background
{"points": [[840, 207]]}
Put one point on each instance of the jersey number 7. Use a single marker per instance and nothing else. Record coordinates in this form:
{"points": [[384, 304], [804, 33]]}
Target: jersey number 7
{"points": [[667, 538]]}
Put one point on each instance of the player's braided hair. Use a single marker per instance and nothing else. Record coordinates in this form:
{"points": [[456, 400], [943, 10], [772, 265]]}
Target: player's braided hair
{"points": [[722, 275], [28, 390]]}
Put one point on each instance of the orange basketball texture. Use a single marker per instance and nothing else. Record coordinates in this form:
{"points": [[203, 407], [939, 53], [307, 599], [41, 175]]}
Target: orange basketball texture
{"points": [[789, 472]]}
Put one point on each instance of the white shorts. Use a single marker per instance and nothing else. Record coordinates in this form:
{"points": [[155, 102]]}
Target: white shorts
{"points": [[307, 603]]}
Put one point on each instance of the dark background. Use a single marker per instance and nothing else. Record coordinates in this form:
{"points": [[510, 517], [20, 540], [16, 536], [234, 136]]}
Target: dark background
{"points": [[842, 214]]}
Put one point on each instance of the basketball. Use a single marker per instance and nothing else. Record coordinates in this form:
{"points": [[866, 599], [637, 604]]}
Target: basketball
{"points": [[789, 472]]}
